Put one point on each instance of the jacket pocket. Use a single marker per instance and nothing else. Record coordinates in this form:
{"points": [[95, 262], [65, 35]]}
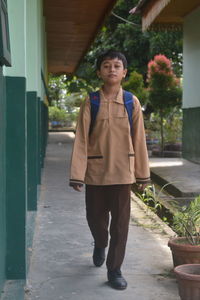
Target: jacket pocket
{"points": [[95, 165], [131, 157], [95, 157]]}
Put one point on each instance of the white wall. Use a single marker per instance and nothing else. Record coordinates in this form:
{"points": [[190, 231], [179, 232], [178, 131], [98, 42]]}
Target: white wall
{"points": [[32, 66], [17, 29], [191, 60], [36, 41]]}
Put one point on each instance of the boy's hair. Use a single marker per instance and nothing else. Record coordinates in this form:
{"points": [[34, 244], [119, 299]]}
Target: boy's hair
{"points": [[111, 54]]}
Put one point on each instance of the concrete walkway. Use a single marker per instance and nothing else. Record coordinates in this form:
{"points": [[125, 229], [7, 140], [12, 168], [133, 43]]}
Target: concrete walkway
{"points": [[61, 265], [183, 175]]}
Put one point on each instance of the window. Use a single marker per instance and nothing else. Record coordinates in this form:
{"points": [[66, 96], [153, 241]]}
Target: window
{"points": [[5, 57]]}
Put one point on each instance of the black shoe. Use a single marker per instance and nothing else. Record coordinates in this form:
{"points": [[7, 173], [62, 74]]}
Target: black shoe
{"points": [[98, 256], [116, 280]]}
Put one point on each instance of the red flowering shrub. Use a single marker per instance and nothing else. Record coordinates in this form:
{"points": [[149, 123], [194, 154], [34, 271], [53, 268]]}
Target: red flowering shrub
{"points": [[160, 73], [164, 88]]}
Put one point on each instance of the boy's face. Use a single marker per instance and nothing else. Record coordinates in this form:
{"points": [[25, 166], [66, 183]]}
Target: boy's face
{"points": [[112, 71]]}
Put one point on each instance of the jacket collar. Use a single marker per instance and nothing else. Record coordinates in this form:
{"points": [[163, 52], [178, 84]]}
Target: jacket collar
{"points": [[118, 99]]}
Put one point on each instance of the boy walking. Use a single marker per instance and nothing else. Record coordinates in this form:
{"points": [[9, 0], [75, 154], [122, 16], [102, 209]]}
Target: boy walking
{"points": [[109, 155]]}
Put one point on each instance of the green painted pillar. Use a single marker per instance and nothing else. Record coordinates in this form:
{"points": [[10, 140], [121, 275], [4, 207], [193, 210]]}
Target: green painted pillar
{"points": [[39, 138], [33, 87], [191, 136], [32, 150], [16, 147], [44, 120], [2, 182], [16, 185], [44, 130]]}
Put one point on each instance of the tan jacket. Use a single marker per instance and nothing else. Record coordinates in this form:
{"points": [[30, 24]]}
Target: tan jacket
{"points": [[109, 155]]}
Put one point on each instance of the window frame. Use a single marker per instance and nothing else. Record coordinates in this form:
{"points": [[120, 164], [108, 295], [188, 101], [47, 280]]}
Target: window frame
{"points": [[5, 54]]}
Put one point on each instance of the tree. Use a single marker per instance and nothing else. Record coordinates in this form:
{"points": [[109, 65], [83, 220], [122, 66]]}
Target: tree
{"points": [[164, 88], [57, 89], [56, 114], [139, 47], [135, 84]]}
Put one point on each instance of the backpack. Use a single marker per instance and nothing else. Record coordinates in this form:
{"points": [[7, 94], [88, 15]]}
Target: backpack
{"points": [[95, 103]]}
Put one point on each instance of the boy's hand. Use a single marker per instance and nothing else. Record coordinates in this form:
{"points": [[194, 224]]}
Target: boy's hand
{"points": [[77, 187], [141, 186]]}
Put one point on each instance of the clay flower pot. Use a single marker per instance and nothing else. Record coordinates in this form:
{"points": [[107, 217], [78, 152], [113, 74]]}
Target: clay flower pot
{"points": [[188, 277], [184, 253]]}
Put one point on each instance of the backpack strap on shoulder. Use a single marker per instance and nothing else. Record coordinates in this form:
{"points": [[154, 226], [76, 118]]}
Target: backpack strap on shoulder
{"points": [[94, 104], [129, 105]]}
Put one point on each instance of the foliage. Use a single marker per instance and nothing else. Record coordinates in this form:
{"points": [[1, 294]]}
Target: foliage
{"points": [[164, 88], [149, 197], [186, 222], [77, 85], [57, 114], [172, 126], [169, 44], [139, 47], [56, 86], [63, 87], [61, 116], [135, 84], [67, 94]]}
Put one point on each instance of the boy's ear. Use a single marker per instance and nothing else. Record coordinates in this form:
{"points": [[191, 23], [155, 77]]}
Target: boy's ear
{"points": [[98, 73], [125, 72]]}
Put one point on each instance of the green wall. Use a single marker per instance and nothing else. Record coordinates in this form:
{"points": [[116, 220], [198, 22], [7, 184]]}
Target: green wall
{"points": [[191, 134], [16, 177], [23, 133], [2, 183], [32, 151]]}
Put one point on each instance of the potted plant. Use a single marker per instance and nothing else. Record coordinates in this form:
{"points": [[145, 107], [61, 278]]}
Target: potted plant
{"points": [[186, 223], [188, 277], [186, 247]]}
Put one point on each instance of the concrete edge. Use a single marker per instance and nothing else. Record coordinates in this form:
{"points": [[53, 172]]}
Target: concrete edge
{"points": [[151, 215], [170, 188]]}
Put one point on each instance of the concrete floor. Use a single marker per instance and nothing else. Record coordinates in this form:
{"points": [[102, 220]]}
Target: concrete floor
{"points": [[183, 175], [61, 264]]}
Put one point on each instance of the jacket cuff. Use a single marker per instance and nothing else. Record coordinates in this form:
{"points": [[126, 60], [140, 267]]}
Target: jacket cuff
{"points": [[73, 182], [143, 180]]}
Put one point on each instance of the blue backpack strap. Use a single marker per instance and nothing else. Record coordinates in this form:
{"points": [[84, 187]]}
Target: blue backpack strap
{"points": [[129, 105], [94, 104]]}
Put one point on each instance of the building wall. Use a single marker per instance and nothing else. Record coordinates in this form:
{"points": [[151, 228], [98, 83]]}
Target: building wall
{"points": [[16, 161], [33, 71], [22, 114], [2, 183], [191, 90]]}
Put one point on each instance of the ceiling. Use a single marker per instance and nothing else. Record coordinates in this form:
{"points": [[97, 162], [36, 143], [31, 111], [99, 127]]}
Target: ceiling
{"points": [[71, 26], [165, 13]]}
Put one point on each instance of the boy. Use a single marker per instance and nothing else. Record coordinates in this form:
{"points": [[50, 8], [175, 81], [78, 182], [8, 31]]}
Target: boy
{"points": [[109, 158]]}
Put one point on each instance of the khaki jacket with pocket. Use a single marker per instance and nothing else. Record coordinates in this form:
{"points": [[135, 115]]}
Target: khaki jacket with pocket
{"points": [[109, 155]]}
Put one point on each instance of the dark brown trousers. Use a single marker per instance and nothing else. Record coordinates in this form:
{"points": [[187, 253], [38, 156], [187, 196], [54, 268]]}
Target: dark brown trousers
{"points": [[101, 203]]}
